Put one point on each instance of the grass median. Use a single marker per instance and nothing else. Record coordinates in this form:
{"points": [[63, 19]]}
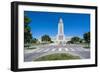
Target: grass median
{"points": [[57, 56]]}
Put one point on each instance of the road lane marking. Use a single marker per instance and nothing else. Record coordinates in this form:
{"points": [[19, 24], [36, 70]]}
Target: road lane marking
{"points": [[53, 49], [72, 49], [59, 49], [66, 49], [46, 50], [40, 50], [37, 51]]}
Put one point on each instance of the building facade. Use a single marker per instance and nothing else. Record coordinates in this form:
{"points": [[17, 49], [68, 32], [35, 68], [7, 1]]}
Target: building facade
{"points": [[60, 36]]}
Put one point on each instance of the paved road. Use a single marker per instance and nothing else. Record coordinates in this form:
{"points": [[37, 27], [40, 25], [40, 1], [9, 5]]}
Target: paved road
{"points": [[30, 55]]}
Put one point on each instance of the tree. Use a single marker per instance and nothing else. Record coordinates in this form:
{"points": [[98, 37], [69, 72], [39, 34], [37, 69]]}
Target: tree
{"points": [[75, 40], [81, 40], [69, 42], [86, 37], [51, 41], [27, 37], [46, 38], [27, 30], [27, 20], [34, 40]]}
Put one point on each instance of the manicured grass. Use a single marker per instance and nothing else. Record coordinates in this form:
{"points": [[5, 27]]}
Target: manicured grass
{"points": [[32, 48], [57, 56], [87, 46]]}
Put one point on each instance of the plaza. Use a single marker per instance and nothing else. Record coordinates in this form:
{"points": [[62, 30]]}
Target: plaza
{"points": [[58, 46]]}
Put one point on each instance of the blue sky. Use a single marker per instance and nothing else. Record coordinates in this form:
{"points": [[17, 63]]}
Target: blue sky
{"points": [[42, 23]]}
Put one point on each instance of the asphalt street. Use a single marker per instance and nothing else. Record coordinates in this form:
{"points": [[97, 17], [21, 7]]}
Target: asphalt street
{"points": [[76, 50]]}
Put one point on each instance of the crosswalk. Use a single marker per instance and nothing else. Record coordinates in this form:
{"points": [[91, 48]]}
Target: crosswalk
{"points": [[53, 49], [66, 49], [60, 49]]}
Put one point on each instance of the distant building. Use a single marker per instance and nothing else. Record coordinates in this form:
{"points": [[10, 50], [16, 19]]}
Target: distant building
{"points": [[60, 38]]}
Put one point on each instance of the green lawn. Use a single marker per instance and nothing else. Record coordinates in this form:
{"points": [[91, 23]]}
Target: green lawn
{"points": [[87, 46], [57, 56]]}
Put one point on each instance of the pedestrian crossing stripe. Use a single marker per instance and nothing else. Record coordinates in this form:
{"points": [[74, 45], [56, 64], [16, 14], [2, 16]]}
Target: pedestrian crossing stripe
{"points": [[59, 49], [40, 50], [72, 49], [53, 49], [66, 49], [46, 50]]}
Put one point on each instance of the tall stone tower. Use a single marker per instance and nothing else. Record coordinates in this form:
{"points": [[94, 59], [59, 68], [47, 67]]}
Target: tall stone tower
{"points": [[60, 35]]}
